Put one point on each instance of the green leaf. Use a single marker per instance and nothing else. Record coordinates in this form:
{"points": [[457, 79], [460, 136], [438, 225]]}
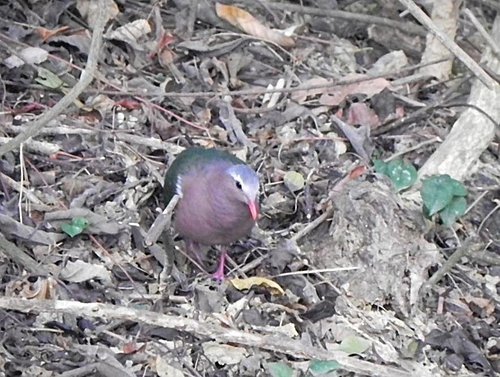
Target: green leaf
{"points": [[402, 175], [279, 369], [437, 193], [354, 345], [458, 188], [48, 79], [80, 222], [453, 211], [380, 166], [77, 226], [425, 211], [322, 367], [294, 181]]}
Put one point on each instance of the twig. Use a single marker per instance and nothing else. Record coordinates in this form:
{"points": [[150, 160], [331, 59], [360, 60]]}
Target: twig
{"points": [[161, 222], [470, 246], [47, 148], [487, 37], [486, 258], [85, 79], [365, 18], [497, 207], [317, 271], [11, 251], [35, 146], [17, 187], [86, 370], [312, 225], [433, 140], [449, 44], [203, 329]]}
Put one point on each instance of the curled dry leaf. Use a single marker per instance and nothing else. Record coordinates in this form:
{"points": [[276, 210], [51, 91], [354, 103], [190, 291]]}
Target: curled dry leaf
{"points": [[79, 271], [41, 289], [224, 354], [88, 10], [131, 32], [244, 284], [360, 113], [250, 25]]}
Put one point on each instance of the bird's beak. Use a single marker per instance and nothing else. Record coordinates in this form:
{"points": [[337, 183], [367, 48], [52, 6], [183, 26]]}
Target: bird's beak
{"points": [[254, 211]]}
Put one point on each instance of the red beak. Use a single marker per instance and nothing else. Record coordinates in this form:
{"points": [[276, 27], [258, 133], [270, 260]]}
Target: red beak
{"points": [[254, 210]]}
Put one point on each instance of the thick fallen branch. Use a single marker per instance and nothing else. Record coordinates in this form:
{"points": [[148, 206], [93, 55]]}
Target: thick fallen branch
{"points": [[447, 42], [209, 329], [473, 131]]}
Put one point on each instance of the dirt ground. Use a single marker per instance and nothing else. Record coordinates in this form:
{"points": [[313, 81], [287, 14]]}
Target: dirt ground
{"points": [[343, 276]]}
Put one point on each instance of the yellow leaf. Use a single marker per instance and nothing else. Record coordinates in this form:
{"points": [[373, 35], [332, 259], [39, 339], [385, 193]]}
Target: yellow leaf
{"points": [[243, 284], [249, 24]]}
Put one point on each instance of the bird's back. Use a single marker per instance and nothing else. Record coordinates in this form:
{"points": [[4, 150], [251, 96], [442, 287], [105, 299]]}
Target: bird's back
{"points": [[190, 160]]}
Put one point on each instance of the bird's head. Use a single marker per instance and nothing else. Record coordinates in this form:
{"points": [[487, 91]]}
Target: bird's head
{"points": [[245, 184]]}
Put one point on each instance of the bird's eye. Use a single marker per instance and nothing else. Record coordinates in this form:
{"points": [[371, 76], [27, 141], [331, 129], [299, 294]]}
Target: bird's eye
{"points": [[238, 185]]}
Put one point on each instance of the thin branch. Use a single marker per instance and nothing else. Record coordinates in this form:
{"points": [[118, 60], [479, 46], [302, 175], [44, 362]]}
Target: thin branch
{"points": [[348, 16], [470, 246], [487, 37], [11, 251], [85, 79]]}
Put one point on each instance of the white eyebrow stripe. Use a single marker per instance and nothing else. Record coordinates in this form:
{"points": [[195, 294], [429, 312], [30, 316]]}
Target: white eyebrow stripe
{"points": [[178, 186]]}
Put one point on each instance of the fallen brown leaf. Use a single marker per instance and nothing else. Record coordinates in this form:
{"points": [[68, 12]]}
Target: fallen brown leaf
{"points": [[250, 25]]}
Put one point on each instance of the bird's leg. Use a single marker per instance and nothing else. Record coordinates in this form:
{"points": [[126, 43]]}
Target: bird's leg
{"points": [[195, 249], [219, 274]]}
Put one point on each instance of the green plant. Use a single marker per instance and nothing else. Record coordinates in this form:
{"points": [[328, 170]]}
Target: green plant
{"points": [[401, 174], [444, 196], [280, 369], [322, 367], [317, 368], [75, 227]]}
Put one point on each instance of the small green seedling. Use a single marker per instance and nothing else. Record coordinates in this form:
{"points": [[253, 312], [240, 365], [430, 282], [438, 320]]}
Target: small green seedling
{"points": [[77, 226], [444, 196], [280, 369], [319, 368], [401, 174]]}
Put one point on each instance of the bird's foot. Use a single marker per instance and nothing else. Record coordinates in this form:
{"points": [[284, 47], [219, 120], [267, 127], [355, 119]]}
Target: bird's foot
{"points": [[219, 274]]}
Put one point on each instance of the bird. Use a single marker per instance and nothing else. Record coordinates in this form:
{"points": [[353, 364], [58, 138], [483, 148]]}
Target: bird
{"points": [[218, 199]]}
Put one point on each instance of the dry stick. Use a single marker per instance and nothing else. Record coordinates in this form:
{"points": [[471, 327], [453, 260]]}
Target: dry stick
{"points": [[449, 44], [202, 329], [85, 80], [312, 225], [470, 246], [87, 370], [17, 187], [39, 147], [161, 223], [366, 18], [20, 257], [45, 148], [489, 40]]}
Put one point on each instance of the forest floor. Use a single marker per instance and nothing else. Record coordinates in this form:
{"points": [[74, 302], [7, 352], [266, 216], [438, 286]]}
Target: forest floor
{"points": [[344, 274]]}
